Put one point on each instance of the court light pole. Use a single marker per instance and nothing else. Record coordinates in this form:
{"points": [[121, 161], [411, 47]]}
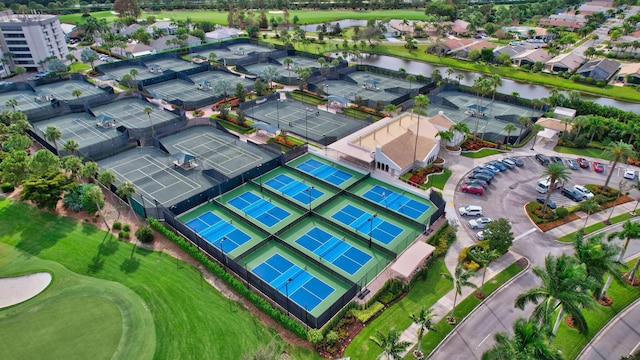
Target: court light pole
{"points": [[309, 190], [371, 227], [306, 125], [260, 175], [224, 255], [278, 111], [286, 288]]}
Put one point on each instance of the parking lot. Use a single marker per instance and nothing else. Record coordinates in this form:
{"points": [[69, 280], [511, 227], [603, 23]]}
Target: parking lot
{"points": [[510, 190]]}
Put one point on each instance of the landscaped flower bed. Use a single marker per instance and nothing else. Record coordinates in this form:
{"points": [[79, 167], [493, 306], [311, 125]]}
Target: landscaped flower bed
{"points": [[477, 144], [420, 176], [284, 141]]}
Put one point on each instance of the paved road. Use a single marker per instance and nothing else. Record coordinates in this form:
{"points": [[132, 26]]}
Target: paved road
{"points": [[621, 337]]}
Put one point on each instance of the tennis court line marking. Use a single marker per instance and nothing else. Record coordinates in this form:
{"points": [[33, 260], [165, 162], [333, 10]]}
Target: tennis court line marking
{"points": [[239, 152]]}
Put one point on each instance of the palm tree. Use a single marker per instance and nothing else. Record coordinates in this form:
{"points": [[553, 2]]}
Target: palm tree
{"points": [[77, 93], [524, 123], [528, 342], [148, 110], [535, 129], [287, 62], [420, 102], [555, 172], [598, 257], [269, 73], [597, 126], [615, 151], [565, 287], [589, 206], [53, 134], [71, 146], [127, 79], [90, 170], [495, 81], [390, 343], [95, 194], [134, 74], [125, 190], [484, 259], [445, 137], [482, 86], [212, 57], [107, 178], [450, 72], [13, 103], [630, 231], [424, 319], [578, 123], [411, 78], [509, 128], [460, 279]]}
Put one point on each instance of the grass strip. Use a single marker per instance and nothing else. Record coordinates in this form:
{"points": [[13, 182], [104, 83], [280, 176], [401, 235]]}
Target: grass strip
{"points": [[433, 338], [438, 180], [597, 226], [571, 342], [590, 152], [480, 154]]}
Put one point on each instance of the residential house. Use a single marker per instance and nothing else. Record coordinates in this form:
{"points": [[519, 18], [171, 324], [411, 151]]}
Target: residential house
{"points": [[599, 69], [166, 26], [448, 46], [512, 50], [128, 30], [222, 33], [629, 74], [565, 62], [460, 27], [531, 57], [463, 51]]}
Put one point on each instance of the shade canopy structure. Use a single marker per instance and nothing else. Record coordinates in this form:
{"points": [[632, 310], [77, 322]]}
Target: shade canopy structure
{"points": [[105, 120], [338, 99], [266, 127], [184, 160]]}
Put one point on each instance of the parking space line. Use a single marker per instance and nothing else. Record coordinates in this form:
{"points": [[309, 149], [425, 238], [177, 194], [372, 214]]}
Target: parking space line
{"points": [[525, 233]]}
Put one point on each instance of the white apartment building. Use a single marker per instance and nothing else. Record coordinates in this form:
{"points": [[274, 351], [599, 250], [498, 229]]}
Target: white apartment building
{"points": [[30, 38]]}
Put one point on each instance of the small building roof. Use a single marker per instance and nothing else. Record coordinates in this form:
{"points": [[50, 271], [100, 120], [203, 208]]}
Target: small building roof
{"points": [[571, 60], [629, 69], [564, 112], [411, 259], [553, 124], [606, 65], [183, 157], [104, 118], [534, 55]]}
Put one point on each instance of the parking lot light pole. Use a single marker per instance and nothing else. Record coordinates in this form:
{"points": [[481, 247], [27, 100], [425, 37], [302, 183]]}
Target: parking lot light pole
{"points": [[371, 227]]}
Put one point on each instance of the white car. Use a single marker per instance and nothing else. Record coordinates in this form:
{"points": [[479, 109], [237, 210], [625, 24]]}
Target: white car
{"points": [[583, 191], [483, 234], [470, 210], [479, 223], [629, 174]]}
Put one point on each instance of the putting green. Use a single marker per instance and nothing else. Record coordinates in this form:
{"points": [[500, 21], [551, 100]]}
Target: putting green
{"points": [[76, 317]]}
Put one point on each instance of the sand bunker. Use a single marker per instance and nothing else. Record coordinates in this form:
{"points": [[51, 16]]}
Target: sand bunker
{"points": [[22, 288]]}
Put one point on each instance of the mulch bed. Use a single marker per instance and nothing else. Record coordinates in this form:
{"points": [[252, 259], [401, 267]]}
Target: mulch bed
{"points": [[555, 223]]}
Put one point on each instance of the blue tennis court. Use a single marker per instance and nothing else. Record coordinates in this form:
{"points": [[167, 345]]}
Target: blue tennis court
{"points": [[325, 172], [366, 223], [294, 188], [396, 201], [259, 208], [214, 229], [336, 251], [293, 281]]}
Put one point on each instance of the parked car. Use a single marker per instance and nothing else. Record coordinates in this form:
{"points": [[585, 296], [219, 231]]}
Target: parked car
{"points": [[470, 210], [550, 203], [482, 183], [492, 168], [497, 164], [572, 164], [479, 223], [489, 173], [472, 189], [586, 194], [629, 174], [508, 163], [598, 167], [556, 159], [483, 234], [583, 163], [481, 176], [572, 194], [517, 161], [542, 159]]}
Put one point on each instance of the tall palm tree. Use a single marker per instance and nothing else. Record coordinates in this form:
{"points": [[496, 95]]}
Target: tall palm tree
{"points": [[578, 123], [460, 279], [496, 80], [589, 206], [288, 62], [134, 74], [555, 172], [420, 103], [149, 110], [90, 170], [53, 134], [390, 343], [77, 93], [125, 190], [71, 146], [411, 78], [482, 86], [524, 123], [535, 129], [598, 257], [528, 342], [597, 126], [630, 231], [212, 57], [484, 259], [445, 136], [565, 287], [424, 319], [13, 103], [614, 151], [107, 178], [509, 128]]}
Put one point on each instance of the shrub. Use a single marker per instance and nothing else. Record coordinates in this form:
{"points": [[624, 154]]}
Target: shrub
{"points": [[73, 198], [562, 212], [6, 187], [332, 337], [144, 234], [123, 234], [365, 315], [126, 227], [88, 203], [117, 225], [471, 265], [314, 336]]}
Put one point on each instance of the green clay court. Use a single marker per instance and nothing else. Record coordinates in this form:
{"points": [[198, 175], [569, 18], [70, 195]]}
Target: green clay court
{"points": [[214, 76], [117, 72], [368, 86], [171, 64], [304, 120], [130, 113], [80, 127], [62, 90], [177, 89], [27, 100]]}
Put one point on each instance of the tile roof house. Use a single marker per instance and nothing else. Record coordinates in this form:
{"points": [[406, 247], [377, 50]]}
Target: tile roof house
{"points": [[449, 46], [512, 50], [531, 57], [565, 62], [463, 51], [629, 73], [599, 69]]}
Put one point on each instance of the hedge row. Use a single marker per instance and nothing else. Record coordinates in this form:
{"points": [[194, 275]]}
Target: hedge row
{"points": [[234, 283]]}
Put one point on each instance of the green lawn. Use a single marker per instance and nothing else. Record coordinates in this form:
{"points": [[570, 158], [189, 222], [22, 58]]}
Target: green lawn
{"points": [[424, 293], [439, 180], [597, 226], [570, 342], [189, 316], [74, 311], [591, 152], [482, 153]]}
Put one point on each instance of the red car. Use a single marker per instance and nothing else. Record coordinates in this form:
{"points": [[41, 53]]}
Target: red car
{"points": [[583, 163], [472, 189], [598, 167]]}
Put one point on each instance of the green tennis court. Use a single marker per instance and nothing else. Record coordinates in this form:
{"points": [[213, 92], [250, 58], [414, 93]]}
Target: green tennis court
{"points": [[171, 64], [216, 76], [80, 127], [291, 185], [328, 171], [130, 113], [119, 71], [27, 100], [62, 90], [177, 89]]}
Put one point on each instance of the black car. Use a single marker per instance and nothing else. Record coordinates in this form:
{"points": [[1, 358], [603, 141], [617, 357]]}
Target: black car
{"points": [[550, 203], [483, 171], [556, 159], [482, 183], [542, 159], [481, 176], [572, 194], [518, 161]]}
